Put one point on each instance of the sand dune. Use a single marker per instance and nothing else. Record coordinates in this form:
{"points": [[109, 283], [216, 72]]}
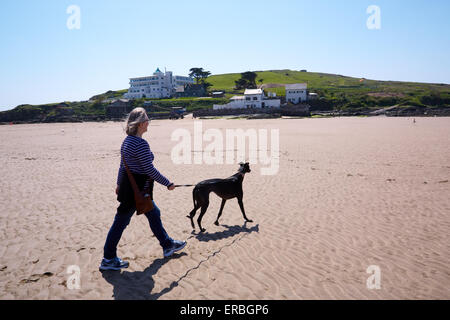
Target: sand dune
{"points": [[349, 193]]}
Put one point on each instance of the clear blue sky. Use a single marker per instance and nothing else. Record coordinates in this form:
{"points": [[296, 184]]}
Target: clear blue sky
{"points": [[42, 61]]}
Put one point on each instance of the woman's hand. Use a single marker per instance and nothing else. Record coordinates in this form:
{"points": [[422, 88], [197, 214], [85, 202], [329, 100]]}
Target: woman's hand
{"points": [[171, 186]]}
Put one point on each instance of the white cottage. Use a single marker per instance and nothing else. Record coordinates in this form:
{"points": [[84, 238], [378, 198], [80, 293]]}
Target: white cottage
{"points": [[296, 93], [253, 98]]}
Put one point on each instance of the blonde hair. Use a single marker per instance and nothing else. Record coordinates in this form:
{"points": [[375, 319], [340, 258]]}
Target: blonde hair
{"points": [[136, 117]]}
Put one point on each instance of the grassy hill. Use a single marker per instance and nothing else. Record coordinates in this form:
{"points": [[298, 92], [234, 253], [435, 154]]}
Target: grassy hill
{"points": [[339, 91], [109, 95]]}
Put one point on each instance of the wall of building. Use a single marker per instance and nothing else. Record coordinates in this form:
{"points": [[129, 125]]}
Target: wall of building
{"points": [[296, 95], [243, 104], [272, 103]]}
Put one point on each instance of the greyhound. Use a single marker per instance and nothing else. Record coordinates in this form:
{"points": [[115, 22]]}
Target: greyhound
{"points": [[228, 188]]}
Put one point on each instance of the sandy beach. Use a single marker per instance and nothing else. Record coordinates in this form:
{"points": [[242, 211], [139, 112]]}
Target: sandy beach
{"points": [[349, 193]]}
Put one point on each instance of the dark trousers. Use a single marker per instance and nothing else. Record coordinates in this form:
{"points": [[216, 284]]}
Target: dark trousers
{"points": [[121, 221]]}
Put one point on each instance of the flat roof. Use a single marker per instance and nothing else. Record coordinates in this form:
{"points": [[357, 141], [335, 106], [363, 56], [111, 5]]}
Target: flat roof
{"points": [[295, 86], [253, 91]]}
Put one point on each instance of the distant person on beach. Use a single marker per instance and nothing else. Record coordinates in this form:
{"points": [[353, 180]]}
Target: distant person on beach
{"points": [[139, 159]]}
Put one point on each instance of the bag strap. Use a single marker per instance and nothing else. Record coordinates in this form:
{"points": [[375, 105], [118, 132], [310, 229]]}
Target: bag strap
{"points": [[130, 177]]}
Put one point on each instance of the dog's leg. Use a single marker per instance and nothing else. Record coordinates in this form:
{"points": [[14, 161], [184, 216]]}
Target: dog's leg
{"points": [[202, 212], [220, 212], [195, 199], [241, 205], [191, 216]]}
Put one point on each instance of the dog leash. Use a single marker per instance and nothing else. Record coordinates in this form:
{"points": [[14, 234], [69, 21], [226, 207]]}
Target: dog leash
{"points": [[184, 185]]}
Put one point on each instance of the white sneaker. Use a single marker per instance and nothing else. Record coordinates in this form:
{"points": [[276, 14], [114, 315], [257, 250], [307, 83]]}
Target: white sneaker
{"points": [[176, 246]]}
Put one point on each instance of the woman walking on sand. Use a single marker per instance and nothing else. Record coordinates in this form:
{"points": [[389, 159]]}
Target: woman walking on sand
{"points": [[139, 159]]}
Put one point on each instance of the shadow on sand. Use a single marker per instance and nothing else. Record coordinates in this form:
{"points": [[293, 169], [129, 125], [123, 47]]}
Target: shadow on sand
{"points": [[230, 231], [139, 284]]}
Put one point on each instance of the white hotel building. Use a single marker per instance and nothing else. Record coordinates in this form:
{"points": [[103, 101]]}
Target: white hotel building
{"points": [[160, 85]]}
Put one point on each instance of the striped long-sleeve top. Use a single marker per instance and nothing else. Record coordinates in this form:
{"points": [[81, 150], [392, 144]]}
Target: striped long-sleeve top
{"points": [[139, 159]]}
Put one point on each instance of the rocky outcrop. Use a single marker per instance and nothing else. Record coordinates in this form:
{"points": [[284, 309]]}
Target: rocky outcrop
{"points": [[301, 111]]}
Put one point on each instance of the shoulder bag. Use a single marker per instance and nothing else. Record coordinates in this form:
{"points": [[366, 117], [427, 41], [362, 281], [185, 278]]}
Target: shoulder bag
{"points": [[144, 202]]}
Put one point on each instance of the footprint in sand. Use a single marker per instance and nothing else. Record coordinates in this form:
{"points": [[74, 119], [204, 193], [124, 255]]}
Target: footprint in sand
{"points": [[390, 180], [36, 277], [443, 181], [350, 175]]}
